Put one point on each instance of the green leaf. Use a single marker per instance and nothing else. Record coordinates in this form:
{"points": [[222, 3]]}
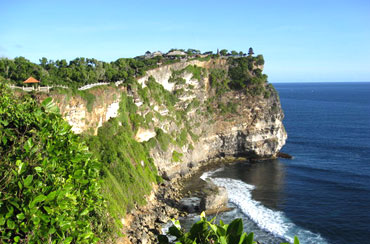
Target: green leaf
{"points": [[2, 220], [49, 106], [28, 145], [51, 230], [20, 185], [21, 167], [162, 239], [15, 204], [36, 220], [4, 139], [223, 240], [48, 210], [175, 232], [198, 229], [39, 198], [4, 122], [221, 231], [45, 218], [176, 223], [10, 223], [213, 227], [64, 129], [296, 241], [235, 228], [47, 102], [249, 239], [86, 211], [51, 196], [78, 174], [65, 225], [10, 212], [38, 169], [243, 236], [68, 240], [27, 182], [20, 216], [16, 239]]}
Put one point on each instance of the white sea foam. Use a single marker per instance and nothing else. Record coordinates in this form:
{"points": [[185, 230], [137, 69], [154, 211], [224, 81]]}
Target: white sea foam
{"points": [[208, 174], [272, 221]]}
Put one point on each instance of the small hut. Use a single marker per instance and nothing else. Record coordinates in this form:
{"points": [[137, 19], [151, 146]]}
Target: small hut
{"points": [[32, 80]]}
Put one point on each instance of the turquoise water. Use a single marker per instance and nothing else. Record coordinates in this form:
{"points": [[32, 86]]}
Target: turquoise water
{"points": [[323, 194]]}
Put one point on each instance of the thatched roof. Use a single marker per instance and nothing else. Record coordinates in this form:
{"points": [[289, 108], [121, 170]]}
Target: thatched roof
{"points": [[31, 80]]}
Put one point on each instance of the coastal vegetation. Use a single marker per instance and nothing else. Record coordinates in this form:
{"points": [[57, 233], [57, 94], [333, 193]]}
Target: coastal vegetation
{"points": [[206, 231]]}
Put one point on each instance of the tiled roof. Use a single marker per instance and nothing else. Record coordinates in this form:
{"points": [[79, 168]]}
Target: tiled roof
{"points": [[31, 80]]}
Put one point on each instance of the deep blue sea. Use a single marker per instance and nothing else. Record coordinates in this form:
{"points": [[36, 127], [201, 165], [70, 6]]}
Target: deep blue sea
{"points": [[323, 194]]}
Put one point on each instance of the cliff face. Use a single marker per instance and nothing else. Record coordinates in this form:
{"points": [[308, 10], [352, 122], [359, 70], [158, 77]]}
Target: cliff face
{"points": [[82, 116], [255, 130], [252, 128]]}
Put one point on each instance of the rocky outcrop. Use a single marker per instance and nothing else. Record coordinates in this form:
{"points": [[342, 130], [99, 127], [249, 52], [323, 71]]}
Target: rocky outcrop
{"points": [[255, 130], [214, 198]]}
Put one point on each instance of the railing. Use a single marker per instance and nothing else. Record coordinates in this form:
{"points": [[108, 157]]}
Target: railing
{"points": [[29, 89], [93, 85], [60, 86], [47, 88]]}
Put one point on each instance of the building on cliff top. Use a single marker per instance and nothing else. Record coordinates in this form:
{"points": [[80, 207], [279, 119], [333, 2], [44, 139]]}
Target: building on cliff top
{"points": [[176, 53], [153, 54]]}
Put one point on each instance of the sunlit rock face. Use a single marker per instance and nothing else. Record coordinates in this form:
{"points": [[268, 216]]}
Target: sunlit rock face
{"points": [[255, 129]]}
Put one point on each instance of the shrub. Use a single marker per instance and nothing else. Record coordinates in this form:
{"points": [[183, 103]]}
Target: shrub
{"points": [[159, 94], [219, 81], [176, 156], [196, 71], [181, 140], [204, 232], [49, 185], [163, 139]]}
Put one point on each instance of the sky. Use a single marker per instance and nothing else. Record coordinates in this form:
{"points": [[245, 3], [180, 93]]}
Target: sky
{"points": [[301, 40]]}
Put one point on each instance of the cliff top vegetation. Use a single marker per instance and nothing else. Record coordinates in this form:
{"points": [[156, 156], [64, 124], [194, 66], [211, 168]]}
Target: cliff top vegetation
{"points": [[82, 71]]}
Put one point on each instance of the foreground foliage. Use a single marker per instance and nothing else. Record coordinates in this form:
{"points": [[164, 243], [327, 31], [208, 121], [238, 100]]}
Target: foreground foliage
{"points": [[204, 232], [49, 188]]}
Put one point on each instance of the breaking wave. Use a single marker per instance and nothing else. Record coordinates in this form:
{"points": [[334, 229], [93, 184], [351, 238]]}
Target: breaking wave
{"points": [[269, 220]]}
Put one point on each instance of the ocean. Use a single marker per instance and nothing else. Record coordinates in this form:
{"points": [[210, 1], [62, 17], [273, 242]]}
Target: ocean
{"points": [[323, 194]]}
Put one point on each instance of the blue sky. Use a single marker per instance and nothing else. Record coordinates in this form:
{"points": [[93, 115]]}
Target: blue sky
{"points": [[301, 41]]}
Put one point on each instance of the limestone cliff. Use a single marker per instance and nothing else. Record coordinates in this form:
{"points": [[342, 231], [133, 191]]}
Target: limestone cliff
{"points": [[252, 128]]}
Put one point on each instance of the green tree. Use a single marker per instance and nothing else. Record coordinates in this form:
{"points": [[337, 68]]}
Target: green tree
{"points": [[223, 52], [234, 53], [260, 60]]}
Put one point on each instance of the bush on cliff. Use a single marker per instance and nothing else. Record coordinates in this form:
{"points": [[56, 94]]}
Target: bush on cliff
{"points": [[49, 187], [246, 75]]}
